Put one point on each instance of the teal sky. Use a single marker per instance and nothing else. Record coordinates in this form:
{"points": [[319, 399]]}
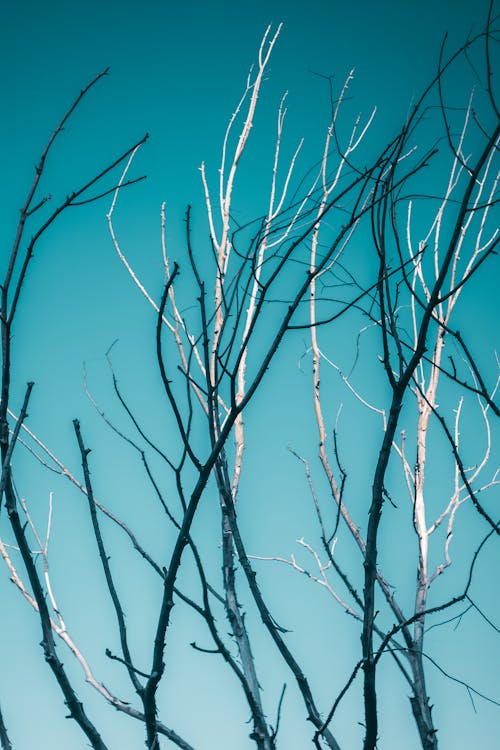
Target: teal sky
{"points": [[177, 73]]}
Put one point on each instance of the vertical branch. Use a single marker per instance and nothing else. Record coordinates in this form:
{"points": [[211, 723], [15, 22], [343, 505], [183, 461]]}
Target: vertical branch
{"points": [[76, 709], [222, 243], [273, 212], [275, 632], [442, 269], [327, 190], [262, 734], [132, 673], [179, 324]]}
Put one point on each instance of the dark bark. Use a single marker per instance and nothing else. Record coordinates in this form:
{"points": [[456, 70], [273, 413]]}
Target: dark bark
{"points": [[4, 737]]}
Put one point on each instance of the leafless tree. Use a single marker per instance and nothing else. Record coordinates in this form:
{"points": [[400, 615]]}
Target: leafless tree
{"points": [[411, 310], [212, 360]]}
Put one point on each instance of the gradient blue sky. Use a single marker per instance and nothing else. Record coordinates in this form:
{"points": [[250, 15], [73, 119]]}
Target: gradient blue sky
{"points": [[177, 73]]}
